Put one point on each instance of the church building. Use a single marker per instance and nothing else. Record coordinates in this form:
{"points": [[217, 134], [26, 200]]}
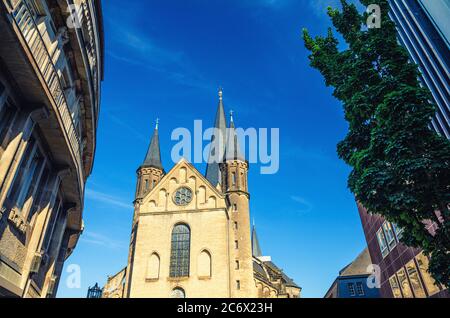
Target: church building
{"points": [[191, 234]]}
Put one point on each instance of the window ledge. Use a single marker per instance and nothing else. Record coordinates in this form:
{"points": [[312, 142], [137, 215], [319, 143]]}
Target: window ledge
{"points": [[204, 277], [177, 279], [151, 280]]}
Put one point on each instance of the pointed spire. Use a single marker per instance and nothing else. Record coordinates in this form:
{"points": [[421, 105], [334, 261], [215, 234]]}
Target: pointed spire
{"points": [[233, 151], [153, 157], [212, 169], [256, 249]]}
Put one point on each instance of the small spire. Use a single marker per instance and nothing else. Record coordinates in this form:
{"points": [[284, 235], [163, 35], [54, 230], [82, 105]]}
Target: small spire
{"points": [[220, 93], [231, 116], [153, 157]]}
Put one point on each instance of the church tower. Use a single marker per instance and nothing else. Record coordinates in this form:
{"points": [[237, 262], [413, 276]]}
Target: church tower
{"points": [[234, 173], [149, 174], [151, 171]]}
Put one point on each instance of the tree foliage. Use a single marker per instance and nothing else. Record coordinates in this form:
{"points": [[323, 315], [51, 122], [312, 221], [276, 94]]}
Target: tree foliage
{"points": [[401, 168]]}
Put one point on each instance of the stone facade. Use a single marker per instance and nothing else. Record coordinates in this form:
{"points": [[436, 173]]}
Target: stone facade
{"points": [[191, 238], [50, 77]]}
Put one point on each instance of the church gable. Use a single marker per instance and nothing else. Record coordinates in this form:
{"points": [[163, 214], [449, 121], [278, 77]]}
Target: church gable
{"points": [[183, 189]]}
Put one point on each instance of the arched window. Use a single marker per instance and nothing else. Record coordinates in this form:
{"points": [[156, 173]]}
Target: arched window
{"points": [[178, 293], [180, 251]]}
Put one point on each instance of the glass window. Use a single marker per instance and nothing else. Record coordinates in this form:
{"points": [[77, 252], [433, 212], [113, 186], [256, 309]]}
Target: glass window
{"points": [[382, 243], [180, 252], [351, 289], [398, 231], [57, 207], [7, 116], [414, 278], [21, 173], [395, 287], [430, 283], [39, 196], [178, 293], [389, 233], [404, 284], [360, 289]]}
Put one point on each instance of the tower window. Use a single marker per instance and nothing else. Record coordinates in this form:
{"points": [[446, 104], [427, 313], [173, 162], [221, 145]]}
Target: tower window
{"points": [[235, 207], [351, 289], [233, 178], [236, 225], [153, 183], [236, 244], [238, 284], [237, 265], [180, 251], [146, 184]]}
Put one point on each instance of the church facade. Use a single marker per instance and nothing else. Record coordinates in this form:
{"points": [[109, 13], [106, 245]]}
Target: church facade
{"points": [[191, 233]]}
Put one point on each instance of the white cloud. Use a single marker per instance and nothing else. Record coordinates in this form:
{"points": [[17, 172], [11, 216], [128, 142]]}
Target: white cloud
{"points": [[107, 199], [304, 205], [101, 240]]}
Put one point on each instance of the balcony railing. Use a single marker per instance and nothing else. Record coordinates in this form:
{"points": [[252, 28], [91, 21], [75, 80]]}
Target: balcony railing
{"points": [[24, 17]]}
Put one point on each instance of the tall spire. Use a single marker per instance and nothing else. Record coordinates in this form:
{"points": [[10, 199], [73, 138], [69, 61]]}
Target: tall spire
{"points": [[256, 249], [217, 144], [233, 151], [153, 157]]}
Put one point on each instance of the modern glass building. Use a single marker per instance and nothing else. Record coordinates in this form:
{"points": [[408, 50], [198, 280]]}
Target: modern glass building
{"points": [[424, 29]]}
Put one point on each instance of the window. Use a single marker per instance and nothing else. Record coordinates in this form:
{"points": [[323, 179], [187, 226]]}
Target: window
{"points": [[404, 284], [235, 207], [236, 226], [395, 287], [389, 233], [153, 183], [414, 278], [21, 173], [351, 289], [238, 284], [398, 231], [430, 283], [55, 211], [178, 293], [233, 178], [146, 184], [382, 243], [360, 289], [7, 116], [180, 251], [236, 244], [237, 265], [40, 194]]}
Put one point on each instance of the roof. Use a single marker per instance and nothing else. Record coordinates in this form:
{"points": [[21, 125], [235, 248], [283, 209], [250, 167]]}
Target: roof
{"points": [[212, 169], [358, 266], [256, 249], [153, 157]]}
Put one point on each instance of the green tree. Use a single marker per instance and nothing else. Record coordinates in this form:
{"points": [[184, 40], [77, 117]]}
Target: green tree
{"points": [[400, 167]]}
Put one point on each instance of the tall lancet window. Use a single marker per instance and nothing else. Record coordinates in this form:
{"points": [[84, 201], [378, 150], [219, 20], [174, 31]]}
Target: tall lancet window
{"points": [[180, 251]]}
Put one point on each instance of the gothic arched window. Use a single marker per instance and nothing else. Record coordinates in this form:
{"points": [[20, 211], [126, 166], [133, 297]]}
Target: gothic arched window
{"points": [[180, 251]]}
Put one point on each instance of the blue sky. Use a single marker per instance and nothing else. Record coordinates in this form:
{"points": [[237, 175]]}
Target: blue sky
{"points": [[166, 59]]}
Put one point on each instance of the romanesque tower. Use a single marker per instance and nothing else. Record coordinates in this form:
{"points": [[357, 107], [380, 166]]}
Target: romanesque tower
{"points": [[234, 173], [148, 176]]}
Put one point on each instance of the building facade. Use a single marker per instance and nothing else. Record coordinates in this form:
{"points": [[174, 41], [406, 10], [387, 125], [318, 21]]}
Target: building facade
{"points": [[191, 233], [354, 280], [403, 270], [51, 68], [423, 29]]}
